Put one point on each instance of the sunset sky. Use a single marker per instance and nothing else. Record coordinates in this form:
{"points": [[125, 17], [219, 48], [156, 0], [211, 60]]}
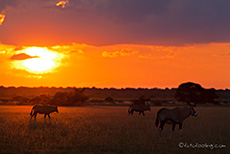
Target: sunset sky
{"points": [[115, 43]]}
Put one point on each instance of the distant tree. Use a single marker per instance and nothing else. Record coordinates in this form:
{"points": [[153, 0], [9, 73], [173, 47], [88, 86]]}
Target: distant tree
{"points": [[109, 99], [78, 97], [42, 99], [141, 100], [193, 94], [69, 98], [60, 98], [20, 100], [209, 95], [151, 96]]}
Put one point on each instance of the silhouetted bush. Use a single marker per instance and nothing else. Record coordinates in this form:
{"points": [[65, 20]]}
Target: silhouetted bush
{"points": [[76, 98], [109, 99], [20, 100], [42, 99]]}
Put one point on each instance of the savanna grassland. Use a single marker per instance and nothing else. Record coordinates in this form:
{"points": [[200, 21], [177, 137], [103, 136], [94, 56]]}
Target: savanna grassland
{"points": [[108, 130]]}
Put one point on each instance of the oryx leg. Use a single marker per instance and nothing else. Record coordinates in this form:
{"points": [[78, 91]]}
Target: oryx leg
{"points": [[35, 115], [45, 118], [143, 113], [49, 118], [173, 128], [31, 116], [130, 111], [162, 123], [180, 129]]}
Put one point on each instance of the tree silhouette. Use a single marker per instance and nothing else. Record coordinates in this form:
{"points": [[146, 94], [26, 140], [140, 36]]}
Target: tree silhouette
{"points": [[209, 95], [78, 97], [20, 100], [193, 94], [109, 99], [69, 98], [60, 98], [42, 99]]}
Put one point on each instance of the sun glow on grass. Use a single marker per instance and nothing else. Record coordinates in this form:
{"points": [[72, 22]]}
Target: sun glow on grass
{"points": [[108, 130]]}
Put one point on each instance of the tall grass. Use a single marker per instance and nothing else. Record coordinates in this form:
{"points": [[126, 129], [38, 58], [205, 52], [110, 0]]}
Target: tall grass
{"points": [[108, 130]]}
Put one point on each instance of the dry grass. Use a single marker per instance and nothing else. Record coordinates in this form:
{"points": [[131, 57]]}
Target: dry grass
{"points": [[107, 130]]}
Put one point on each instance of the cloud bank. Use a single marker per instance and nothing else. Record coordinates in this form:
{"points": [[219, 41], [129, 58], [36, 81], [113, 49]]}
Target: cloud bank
{"points": [[106, 22]]}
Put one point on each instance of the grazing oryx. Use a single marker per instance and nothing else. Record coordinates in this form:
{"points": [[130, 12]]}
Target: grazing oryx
{"points": [[173, 117], [42, 110], [139, 108]]}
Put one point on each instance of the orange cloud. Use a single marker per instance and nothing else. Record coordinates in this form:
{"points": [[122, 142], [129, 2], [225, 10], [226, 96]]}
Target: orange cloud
{"points": [[2, 18], [122, 52], [169, 56], [62, 3], [226, 54], [74, 48], [7, 49]]}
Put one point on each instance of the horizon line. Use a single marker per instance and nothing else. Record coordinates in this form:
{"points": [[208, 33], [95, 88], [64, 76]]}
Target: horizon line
{"points": [[94, 87]]}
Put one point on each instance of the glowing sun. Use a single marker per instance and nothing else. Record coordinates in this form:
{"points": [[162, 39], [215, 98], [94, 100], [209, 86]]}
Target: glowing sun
{"points": [[41, 60]]}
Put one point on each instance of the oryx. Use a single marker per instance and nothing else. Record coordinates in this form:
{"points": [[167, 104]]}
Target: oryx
{"points": [[173, 117], [42, 110], [139, 108]]}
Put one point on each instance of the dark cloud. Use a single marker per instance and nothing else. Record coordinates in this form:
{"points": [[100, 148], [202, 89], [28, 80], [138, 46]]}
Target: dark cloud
{"points": [[104, 22], [22, 56], [173, 21], [133, 11], [5, 3]]}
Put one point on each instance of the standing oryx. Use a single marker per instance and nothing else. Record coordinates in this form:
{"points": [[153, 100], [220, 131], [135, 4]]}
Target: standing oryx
{"points": [[139, 108], [42, 110], [173, 117]]}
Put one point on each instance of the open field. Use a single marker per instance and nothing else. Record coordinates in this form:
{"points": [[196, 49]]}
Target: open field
{"points": [[108, 130]]}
